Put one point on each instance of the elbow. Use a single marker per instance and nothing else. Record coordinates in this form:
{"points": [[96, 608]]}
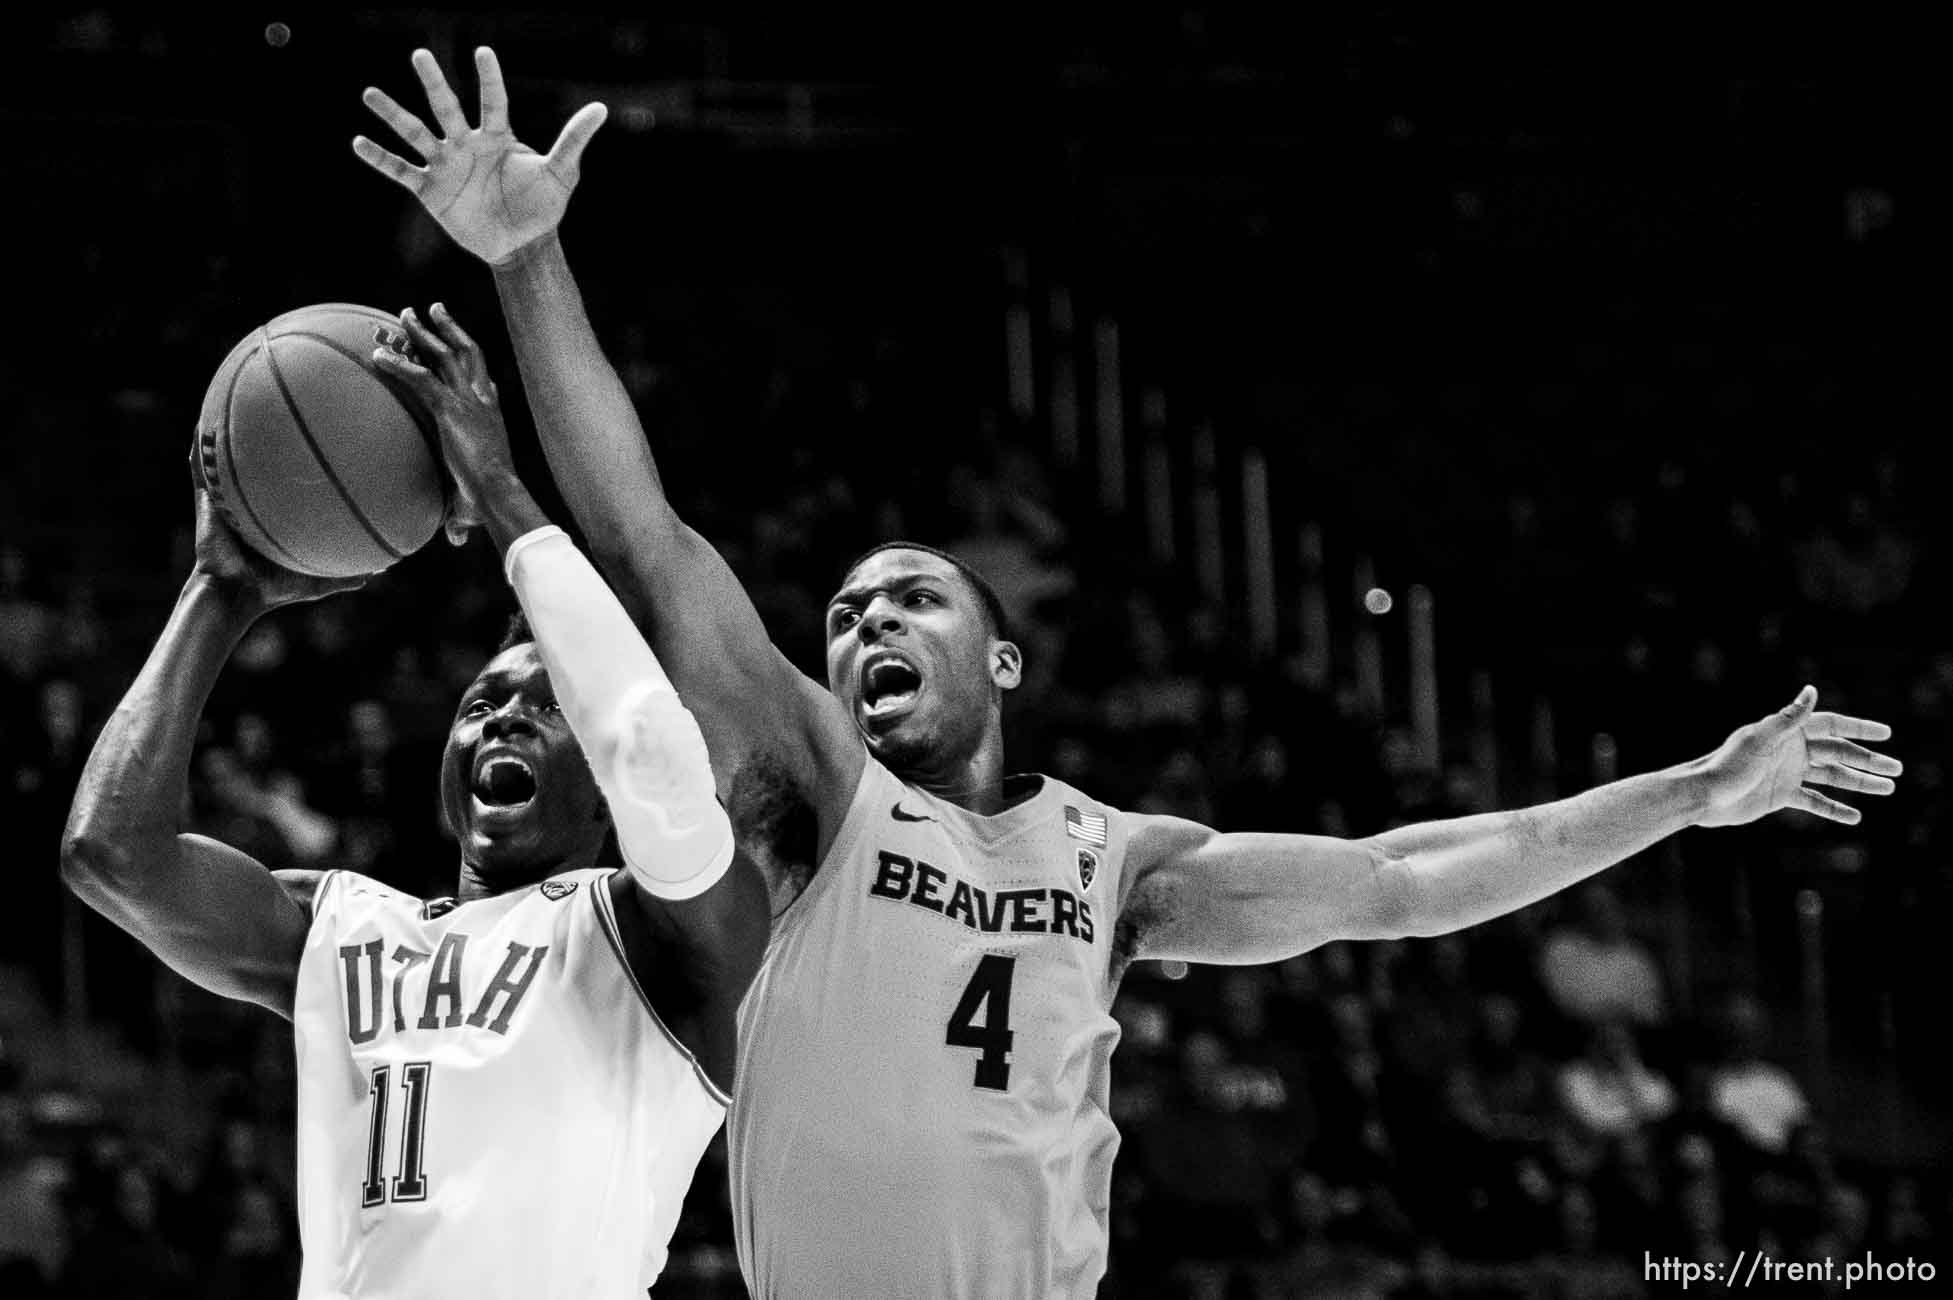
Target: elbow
{"points": [[1398, 905], [92, 865]]}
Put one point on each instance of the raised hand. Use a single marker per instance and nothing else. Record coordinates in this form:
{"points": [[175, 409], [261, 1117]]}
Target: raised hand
{"points": [[447, 372], [221, 555], [1774, 764], [493, 194]]}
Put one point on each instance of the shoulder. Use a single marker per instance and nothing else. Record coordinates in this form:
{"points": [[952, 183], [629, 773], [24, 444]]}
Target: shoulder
{"points": [[303, 886]]}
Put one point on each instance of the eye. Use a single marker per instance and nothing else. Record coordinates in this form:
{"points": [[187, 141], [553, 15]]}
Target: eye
{"points": [[478, 708], [920, 597], [553, 706], [844, 618]]}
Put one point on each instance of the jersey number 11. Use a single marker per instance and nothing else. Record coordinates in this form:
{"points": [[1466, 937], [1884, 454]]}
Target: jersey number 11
{"points": [[988, 992], [410, 1184]]}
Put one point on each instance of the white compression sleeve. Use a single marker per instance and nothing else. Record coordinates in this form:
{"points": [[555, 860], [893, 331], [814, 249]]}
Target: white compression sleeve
{"points": [[643, 744]]}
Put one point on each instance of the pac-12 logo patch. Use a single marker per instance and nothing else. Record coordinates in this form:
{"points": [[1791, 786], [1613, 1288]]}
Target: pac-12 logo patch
{"points": [[1088, 867], [558, 890]]}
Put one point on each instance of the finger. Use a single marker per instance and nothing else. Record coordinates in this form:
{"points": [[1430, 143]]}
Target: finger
{"points": [[566, 155], [461, 520], [472, 366], [419, 380], [1794, 713], [1824, 806], [1849, 778], [390, 165], [1846, 754], [1824, 726], [404, 124], [451, 331], [440, 98], [494, 93], [438, 357]]}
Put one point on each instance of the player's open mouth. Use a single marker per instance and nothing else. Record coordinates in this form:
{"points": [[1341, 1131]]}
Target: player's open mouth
{"points": [[889, 686], [504, 785]]}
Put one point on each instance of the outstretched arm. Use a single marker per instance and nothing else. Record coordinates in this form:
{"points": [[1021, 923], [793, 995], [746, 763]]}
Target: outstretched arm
{"points": [[212, 913], [1247, 898], [701, 905], [503, 201]]}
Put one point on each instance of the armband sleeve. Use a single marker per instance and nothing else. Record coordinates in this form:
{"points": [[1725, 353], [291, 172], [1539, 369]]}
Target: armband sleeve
{"points": [[643, 745]]}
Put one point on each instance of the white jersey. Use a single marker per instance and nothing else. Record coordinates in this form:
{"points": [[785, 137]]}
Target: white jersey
{"points": [[924, 1056], [487, 1104]]}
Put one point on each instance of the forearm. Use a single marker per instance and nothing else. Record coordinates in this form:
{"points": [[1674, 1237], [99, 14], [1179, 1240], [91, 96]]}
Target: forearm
{"points": [[644, 747], [1465, 870], [130, 796], [589, 428]]}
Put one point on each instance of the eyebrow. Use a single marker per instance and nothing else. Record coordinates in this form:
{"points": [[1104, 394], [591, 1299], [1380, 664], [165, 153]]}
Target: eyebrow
{"points": [[855, 595], [503, 679], [485, 685]]}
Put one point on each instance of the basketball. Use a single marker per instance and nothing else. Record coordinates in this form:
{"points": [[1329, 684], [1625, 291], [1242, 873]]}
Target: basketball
{"points": [[317, 460]]}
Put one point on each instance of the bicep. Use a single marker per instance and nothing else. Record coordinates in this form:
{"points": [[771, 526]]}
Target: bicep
{"points": [[222, 920], [747, 696], [1246, 898]]}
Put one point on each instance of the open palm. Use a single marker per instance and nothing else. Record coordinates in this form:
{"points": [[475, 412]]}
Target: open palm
{"points": [[492, 193], [1774, 763]]}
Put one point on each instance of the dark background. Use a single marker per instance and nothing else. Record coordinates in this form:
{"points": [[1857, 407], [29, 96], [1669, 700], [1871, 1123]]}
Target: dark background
{"points": [[1600, 327]]}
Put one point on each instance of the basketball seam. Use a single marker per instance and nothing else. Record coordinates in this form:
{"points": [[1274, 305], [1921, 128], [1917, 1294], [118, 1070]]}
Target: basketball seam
{"points": [[291, 560], [332, 475], [408, 402]]}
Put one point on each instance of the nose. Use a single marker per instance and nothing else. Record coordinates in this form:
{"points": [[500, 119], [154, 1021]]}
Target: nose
{"points": [[882, 617], [512, 719]]}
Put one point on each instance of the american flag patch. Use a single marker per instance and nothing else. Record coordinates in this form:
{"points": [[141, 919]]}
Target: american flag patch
{"points": [[1087, 826]]}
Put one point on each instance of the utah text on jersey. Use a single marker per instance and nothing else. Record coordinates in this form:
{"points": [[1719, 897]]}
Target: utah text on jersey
{"points": [[447, 981]]}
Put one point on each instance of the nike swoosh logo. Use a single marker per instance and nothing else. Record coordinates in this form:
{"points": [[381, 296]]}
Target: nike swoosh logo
{"points": [[900, 816]]}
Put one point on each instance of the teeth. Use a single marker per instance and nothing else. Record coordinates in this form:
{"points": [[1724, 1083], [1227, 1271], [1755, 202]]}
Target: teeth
{"points": [[889, 702], [505, 781]]}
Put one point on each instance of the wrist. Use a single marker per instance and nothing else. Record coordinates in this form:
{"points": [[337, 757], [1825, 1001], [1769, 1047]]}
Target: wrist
{"points": [[234, 600], [508, 510], [529, 256], [487, 481], [1692, 786]]}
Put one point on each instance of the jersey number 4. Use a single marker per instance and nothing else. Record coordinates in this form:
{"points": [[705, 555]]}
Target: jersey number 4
{"points": [[410, 1184], [988, 993]]}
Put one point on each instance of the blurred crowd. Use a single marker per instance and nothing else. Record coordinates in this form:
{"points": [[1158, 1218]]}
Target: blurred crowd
{"points": [[1522, 1109]]}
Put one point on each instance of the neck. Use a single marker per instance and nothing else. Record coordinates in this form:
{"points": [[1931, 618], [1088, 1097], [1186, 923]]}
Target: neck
{"points": [[973, 781], [475, 883]]}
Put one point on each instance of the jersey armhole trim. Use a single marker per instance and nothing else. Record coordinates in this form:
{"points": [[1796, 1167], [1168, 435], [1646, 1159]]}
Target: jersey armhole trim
{"points": [[318, 892], [600, 898]]}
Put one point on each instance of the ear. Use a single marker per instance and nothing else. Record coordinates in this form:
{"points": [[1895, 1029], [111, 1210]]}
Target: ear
{"points": [[1006, 665]]}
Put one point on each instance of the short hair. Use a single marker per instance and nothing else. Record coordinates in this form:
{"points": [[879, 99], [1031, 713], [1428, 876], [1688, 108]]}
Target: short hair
{"points": [[992, 605], [517, 633]]}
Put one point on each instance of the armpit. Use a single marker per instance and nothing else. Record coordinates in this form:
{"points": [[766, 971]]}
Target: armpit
{"points": [[774, 823], [1146, 909]]}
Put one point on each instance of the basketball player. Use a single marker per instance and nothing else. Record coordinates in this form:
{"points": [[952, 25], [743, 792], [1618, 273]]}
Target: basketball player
{"points": [[921, 1107], [503, 1093]]}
